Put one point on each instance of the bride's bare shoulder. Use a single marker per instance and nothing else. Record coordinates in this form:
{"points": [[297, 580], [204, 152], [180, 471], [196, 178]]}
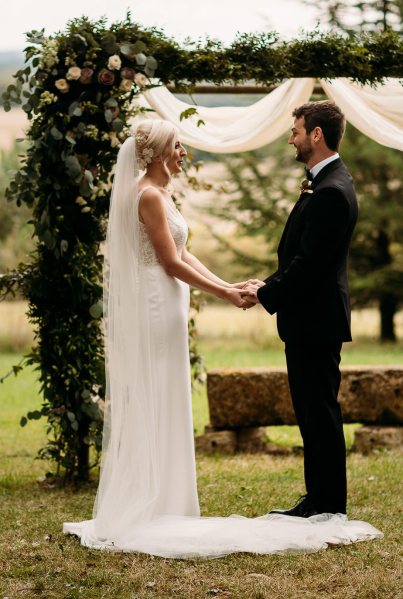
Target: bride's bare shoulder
{"points": [[151, 202]]}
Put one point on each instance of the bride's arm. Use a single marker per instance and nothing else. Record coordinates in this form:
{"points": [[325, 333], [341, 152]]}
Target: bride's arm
{"points": [[152, 212], [203, 270]]}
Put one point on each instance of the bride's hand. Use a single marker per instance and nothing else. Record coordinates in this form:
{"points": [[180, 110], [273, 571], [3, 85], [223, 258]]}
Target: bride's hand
{"points": [[235, 297]]}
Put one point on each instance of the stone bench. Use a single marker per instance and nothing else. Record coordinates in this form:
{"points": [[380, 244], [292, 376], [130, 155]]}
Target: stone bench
{"points": [[244, 400]]}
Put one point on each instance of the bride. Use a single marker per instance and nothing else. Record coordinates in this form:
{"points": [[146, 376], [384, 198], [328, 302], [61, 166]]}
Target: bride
{"points": [[147, 496]]}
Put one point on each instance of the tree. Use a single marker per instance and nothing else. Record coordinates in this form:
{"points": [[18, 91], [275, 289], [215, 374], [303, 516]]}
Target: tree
{"points": [[352, 15]]}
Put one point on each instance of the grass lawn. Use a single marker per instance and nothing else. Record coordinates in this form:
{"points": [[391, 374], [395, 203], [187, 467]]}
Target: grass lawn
{"points": [[37, 560]]}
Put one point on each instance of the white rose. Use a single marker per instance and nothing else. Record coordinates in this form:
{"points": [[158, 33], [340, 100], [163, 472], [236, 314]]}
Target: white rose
{"points": [[74, 73], [62, 85], [114, 62], [140, 79]]}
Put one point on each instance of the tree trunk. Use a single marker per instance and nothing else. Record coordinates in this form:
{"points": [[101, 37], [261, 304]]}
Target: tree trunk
{"points": [[388, 307]]}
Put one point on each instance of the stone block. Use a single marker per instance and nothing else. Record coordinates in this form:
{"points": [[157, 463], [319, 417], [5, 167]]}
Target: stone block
{"points": [[369, 438], [217, 442], [255, 397]]}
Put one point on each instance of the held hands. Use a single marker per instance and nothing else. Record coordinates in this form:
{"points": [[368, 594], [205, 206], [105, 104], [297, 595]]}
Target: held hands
{"points": [[246, 293]]}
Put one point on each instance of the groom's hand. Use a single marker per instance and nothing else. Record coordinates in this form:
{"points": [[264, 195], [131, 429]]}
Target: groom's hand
{"points": [[250, 293]]}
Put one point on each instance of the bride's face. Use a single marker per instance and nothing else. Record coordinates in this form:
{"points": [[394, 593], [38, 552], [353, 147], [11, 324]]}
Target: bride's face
{"points": [[174, 164]]}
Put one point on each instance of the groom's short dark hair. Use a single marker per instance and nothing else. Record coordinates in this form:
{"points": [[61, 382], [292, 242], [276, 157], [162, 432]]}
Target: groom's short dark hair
{"points": [[326, 115]]}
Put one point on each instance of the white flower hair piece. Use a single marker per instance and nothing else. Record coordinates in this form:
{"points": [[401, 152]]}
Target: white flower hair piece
{"points": [[144, 155], [145, 158]]}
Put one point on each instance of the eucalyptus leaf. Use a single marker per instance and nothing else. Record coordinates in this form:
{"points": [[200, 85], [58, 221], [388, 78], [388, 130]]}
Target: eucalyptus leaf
{"points": [[118, 125], [56, 134], [111, 103], [151, 63], [128, 50], [141, 59], [108, 115], [96, 310], [74, 425], [73, 166]]}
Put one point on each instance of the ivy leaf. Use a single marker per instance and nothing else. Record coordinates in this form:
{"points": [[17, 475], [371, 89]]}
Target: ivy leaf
{"points": [[200, 122], [35, 415], [23, 421], [186, 114], [139, 46]]}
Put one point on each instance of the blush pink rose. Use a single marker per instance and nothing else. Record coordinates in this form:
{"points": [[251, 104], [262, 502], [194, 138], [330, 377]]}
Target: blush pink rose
{"points": [[86, 75], [106, 77]]}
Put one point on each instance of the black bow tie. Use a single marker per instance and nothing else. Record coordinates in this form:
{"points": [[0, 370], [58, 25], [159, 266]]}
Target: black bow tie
{"points": [[308, 174]]}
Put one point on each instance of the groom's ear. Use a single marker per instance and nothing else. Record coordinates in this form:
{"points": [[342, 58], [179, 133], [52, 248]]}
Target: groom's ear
{"points": [[317, 134]]}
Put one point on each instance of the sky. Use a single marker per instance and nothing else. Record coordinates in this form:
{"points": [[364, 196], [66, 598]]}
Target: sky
{"points": [[220, 19]]}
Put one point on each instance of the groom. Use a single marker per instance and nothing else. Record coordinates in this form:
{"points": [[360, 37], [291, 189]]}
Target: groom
{"points": [[309, 293]]}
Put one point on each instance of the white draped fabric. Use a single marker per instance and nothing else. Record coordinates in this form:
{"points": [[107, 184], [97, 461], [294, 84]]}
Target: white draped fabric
{"points": [[377, 112]]}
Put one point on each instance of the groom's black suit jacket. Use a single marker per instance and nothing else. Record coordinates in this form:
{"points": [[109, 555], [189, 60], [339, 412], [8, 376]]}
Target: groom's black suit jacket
{"points": [[309, 291]]}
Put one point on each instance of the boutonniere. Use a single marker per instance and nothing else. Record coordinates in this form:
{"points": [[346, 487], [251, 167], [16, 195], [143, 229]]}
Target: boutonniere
{"points": [[306, 186]]}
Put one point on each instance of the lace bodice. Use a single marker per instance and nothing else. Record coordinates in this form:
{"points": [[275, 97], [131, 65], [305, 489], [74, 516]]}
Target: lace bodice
{"points": [[177, 226]]}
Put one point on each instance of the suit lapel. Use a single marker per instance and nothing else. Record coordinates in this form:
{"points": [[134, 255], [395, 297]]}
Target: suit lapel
{"points": [[332, 166]]}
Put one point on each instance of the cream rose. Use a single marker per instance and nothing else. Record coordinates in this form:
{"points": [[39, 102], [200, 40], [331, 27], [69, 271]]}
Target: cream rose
{"points": [[140, 79], [126, 85], [114, 62], [62, 85], [73, 73]]}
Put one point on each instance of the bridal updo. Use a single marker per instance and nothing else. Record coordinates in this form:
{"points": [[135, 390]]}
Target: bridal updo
{"points": [[152, 137]]}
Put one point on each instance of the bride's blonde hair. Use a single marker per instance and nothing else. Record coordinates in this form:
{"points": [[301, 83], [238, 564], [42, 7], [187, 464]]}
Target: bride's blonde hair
{"points": [[152, 137]]}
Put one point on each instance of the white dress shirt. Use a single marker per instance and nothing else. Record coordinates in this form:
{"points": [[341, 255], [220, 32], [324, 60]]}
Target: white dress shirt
{"points": [[318, 167]]}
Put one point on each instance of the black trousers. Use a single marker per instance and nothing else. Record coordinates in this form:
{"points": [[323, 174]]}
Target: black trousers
{"points": [[314, 379]]}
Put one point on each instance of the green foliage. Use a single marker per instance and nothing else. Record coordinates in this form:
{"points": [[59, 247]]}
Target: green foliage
{"points": [[370, 15], [77, 89]]}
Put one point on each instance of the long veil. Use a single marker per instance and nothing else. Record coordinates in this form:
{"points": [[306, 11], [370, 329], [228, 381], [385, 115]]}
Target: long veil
{"points": [[129, 465]]}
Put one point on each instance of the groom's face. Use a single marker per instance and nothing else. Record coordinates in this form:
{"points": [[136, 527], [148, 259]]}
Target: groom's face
{"points": [[301, 140]]}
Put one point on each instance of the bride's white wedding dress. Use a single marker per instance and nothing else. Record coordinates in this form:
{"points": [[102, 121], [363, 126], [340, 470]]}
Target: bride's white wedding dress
{"points": [[147, 498]]}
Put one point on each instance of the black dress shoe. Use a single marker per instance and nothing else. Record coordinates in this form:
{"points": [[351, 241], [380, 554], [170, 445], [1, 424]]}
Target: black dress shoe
{"points": [[303, 509]]}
